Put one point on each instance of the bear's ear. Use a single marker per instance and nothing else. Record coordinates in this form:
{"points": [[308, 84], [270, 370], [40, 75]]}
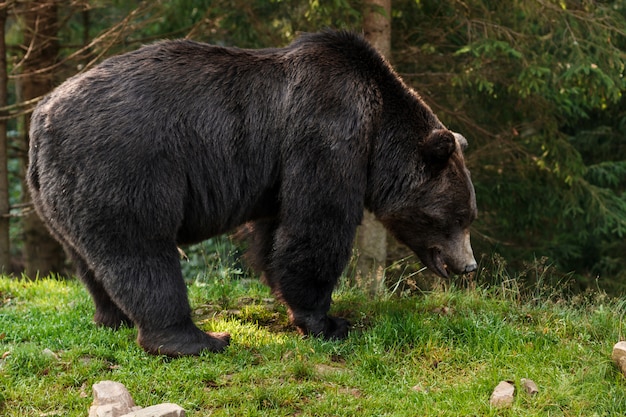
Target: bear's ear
{"points": [[461, 140], [439, 146]]}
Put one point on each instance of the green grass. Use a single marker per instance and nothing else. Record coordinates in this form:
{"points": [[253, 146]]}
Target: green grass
{"points": [[438, 353]]}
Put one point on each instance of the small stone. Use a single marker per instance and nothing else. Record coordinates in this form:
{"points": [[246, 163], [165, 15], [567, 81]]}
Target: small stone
{"points": [[502, 395], [323, 369], [529, 386], [351, 391], [419, 388], [161, 410], [619, 356], [443, 311], [50, 354], [111, 399], [111, 392], [105, 410]]}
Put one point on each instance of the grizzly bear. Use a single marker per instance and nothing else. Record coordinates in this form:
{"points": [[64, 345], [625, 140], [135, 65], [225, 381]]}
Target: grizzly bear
{"points": [[179, 141]]}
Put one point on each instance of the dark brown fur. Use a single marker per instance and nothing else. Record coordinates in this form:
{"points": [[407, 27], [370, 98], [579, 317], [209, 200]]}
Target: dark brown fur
{"points": [[179, 141]]}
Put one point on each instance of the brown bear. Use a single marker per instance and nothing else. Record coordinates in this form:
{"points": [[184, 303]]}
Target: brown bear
{"points": [[180, 141]]}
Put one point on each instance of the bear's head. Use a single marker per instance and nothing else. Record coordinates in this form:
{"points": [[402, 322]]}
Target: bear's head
{"points": [[437, 204]]}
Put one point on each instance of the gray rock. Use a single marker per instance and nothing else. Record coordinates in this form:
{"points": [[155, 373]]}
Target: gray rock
{"points": [[111, 399], [619, 356], [50, 354], [503, 394], [161, 410], [529, 386]]}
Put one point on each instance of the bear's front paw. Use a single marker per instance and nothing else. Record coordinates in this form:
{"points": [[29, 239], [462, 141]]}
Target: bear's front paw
{"points": [[336, 328], [328, 327]]}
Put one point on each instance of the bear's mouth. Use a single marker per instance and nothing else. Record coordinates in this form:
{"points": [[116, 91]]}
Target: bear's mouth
{"points": [[438, 264]]}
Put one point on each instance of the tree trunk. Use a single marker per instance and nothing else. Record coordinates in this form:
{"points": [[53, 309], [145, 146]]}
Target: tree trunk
{"points": [[377, 25], [5, 252], [371, 239], [42, 254]]}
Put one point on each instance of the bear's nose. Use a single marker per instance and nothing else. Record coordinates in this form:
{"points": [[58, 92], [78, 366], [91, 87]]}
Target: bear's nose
{"points": [[470, 267]]}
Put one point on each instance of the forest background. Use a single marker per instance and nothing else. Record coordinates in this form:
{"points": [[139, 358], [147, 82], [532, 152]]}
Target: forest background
{"points": [[535, 86]]}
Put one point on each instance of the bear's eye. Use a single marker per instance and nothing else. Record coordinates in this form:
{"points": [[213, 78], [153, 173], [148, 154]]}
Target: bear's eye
{"points": [[460, 222]]}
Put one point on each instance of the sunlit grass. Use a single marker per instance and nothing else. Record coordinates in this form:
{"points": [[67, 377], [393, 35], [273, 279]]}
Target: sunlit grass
{"points": [[437, 353]]}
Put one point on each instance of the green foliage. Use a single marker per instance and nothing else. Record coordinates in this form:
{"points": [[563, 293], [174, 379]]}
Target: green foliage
{"points": [[252, 24], [439, 353], [534, 86], [607, 174]]}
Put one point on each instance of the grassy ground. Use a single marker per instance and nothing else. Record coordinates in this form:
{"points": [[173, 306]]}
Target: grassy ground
{"points": [[439, 353]]}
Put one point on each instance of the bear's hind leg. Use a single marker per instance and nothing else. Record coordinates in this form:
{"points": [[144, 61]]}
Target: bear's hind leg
{"points": [[146, 282], [107, 312], [259, 237]]}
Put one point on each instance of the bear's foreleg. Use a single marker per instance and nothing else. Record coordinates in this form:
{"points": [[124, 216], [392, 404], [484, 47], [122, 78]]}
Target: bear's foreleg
{"points": [[303, 272], [322, 199]]}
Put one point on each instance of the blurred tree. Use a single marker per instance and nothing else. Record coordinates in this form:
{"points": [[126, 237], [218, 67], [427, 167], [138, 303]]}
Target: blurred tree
{"points": [[377, 25], [42, 253], [372, 240], [5, 253], [54, 43]]}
